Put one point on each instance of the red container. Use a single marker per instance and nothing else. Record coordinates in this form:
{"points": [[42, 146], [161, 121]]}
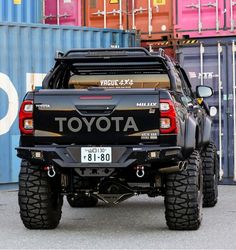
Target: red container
{"points": [[62, 12], [203, 18], [153, 18]]}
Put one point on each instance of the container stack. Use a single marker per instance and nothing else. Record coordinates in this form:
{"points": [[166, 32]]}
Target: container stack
{"points": [[204, 35]]}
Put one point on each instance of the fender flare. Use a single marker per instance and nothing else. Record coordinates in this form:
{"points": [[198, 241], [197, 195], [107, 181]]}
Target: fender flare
{"points": [[190, 135], [207, 130]]}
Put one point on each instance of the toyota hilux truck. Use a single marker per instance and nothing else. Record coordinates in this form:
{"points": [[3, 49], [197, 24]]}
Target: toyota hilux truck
{"points": [[109, 124]]}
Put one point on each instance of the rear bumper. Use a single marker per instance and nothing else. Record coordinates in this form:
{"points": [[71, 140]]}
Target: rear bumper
{"points": [[123, 156]]}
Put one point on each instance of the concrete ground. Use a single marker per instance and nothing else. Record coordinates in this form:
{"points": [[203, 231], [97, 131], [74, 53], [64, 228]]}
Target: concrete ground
{"points": [[138, 223]]}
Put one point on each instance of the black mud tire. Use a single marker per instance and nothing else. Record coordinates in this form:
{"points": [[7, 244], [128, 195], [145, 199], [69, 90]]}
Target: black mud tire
{"points": [[40, 203], [82, 201], [210, 170], [183, 198]]}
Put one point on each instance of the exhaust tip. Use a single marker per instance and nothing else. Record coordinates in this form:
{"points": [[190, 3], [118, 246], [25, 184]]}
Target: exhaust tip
{"points": [[182, 165]]}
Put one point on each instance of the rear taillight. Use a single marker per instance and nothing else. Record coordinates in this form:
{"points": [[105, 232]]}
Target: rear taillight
{"points": [[168, 122], [26, 123]]}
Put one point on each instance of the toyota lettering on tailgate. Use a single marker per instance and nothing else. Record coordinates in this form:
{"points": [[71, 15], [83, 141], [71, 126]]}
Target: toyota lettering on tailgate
{"points": [[102, 124]]}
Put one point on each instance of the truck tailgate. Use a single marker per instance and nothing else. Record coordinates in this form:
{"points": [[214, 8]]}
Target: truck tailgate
{"points": [[97, 116]]}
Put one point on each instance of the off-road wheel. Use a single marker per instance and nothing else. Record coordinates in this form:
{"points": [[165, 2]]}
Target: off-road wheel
{"points": [[39, 200], [82, 201], [183, 197], [210, 170]]}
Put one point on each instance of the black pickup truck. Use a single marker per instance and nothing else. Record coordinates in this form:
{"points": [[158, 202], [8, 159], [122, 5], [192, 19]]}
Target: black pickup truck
{"points": [[110, 124]]}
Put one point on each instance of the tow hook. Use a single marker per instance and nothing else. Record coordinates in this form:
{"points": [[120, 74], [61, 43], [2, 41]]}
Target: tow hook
{"points": [[140, 171], [51, 171]]}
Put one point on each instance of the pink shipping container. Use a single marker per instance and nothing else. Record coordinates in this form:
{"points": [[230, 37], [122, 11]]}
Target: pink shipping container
{"points": [[231, 16], [62, 12], [204, 18]]}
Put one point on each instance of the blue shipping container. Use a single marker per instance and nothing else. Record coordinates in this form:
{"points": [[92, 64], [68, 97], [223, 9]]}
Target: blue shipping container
{"points": [[21, 11], [27, 54], [211, 62]]}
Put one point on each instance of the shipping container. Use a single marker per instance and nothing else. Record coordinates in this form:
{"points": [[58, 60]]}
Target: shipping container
{"points": [[212, 62], [230, 13], [204, 18], [21, 11], [106, 14], [62, 12], [153, 18], [27, 54]]}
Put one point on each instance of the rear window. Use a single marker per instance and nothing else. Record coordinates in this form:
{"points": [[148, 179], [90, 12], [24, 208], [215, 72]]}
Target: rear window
{"points": [[112, 71], [119, 81]]}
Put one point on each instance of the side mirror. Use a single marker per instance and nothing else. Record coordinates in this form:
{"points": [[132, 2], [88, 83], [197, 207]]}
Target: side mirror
{"points": [[204, 91]]}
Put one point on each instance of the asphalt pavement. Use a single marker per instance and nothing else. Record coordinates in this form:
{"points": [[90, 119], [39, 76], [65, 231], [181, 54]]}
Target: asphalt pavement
{"points": [[138, 223]]}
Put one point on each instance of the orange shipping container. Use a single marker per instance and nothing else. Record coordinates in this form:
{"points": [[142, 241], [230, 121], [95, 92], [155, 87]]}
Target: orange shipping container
{"points": [[153, 18], [105, 14]]}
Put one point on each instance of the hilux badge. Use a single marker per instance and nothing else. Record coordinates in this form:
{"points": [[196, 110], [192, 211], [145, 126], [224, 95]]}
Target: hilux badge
{"points": [[146, 104]]}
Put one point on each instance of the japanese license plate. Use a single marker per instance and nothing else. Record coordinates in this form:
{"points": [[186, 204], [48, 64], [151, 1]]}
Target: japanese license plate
{"points": [[96, 155]]}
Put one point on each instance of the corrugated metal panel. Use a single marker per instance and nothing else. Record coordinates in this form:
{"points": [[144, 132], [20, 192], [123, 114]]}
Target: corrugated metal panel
{"points": [[195, 18], [63, 12], [153, 18], [210, 62], [110, 14], [23, 11], [230, 13], [27, 53]]}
